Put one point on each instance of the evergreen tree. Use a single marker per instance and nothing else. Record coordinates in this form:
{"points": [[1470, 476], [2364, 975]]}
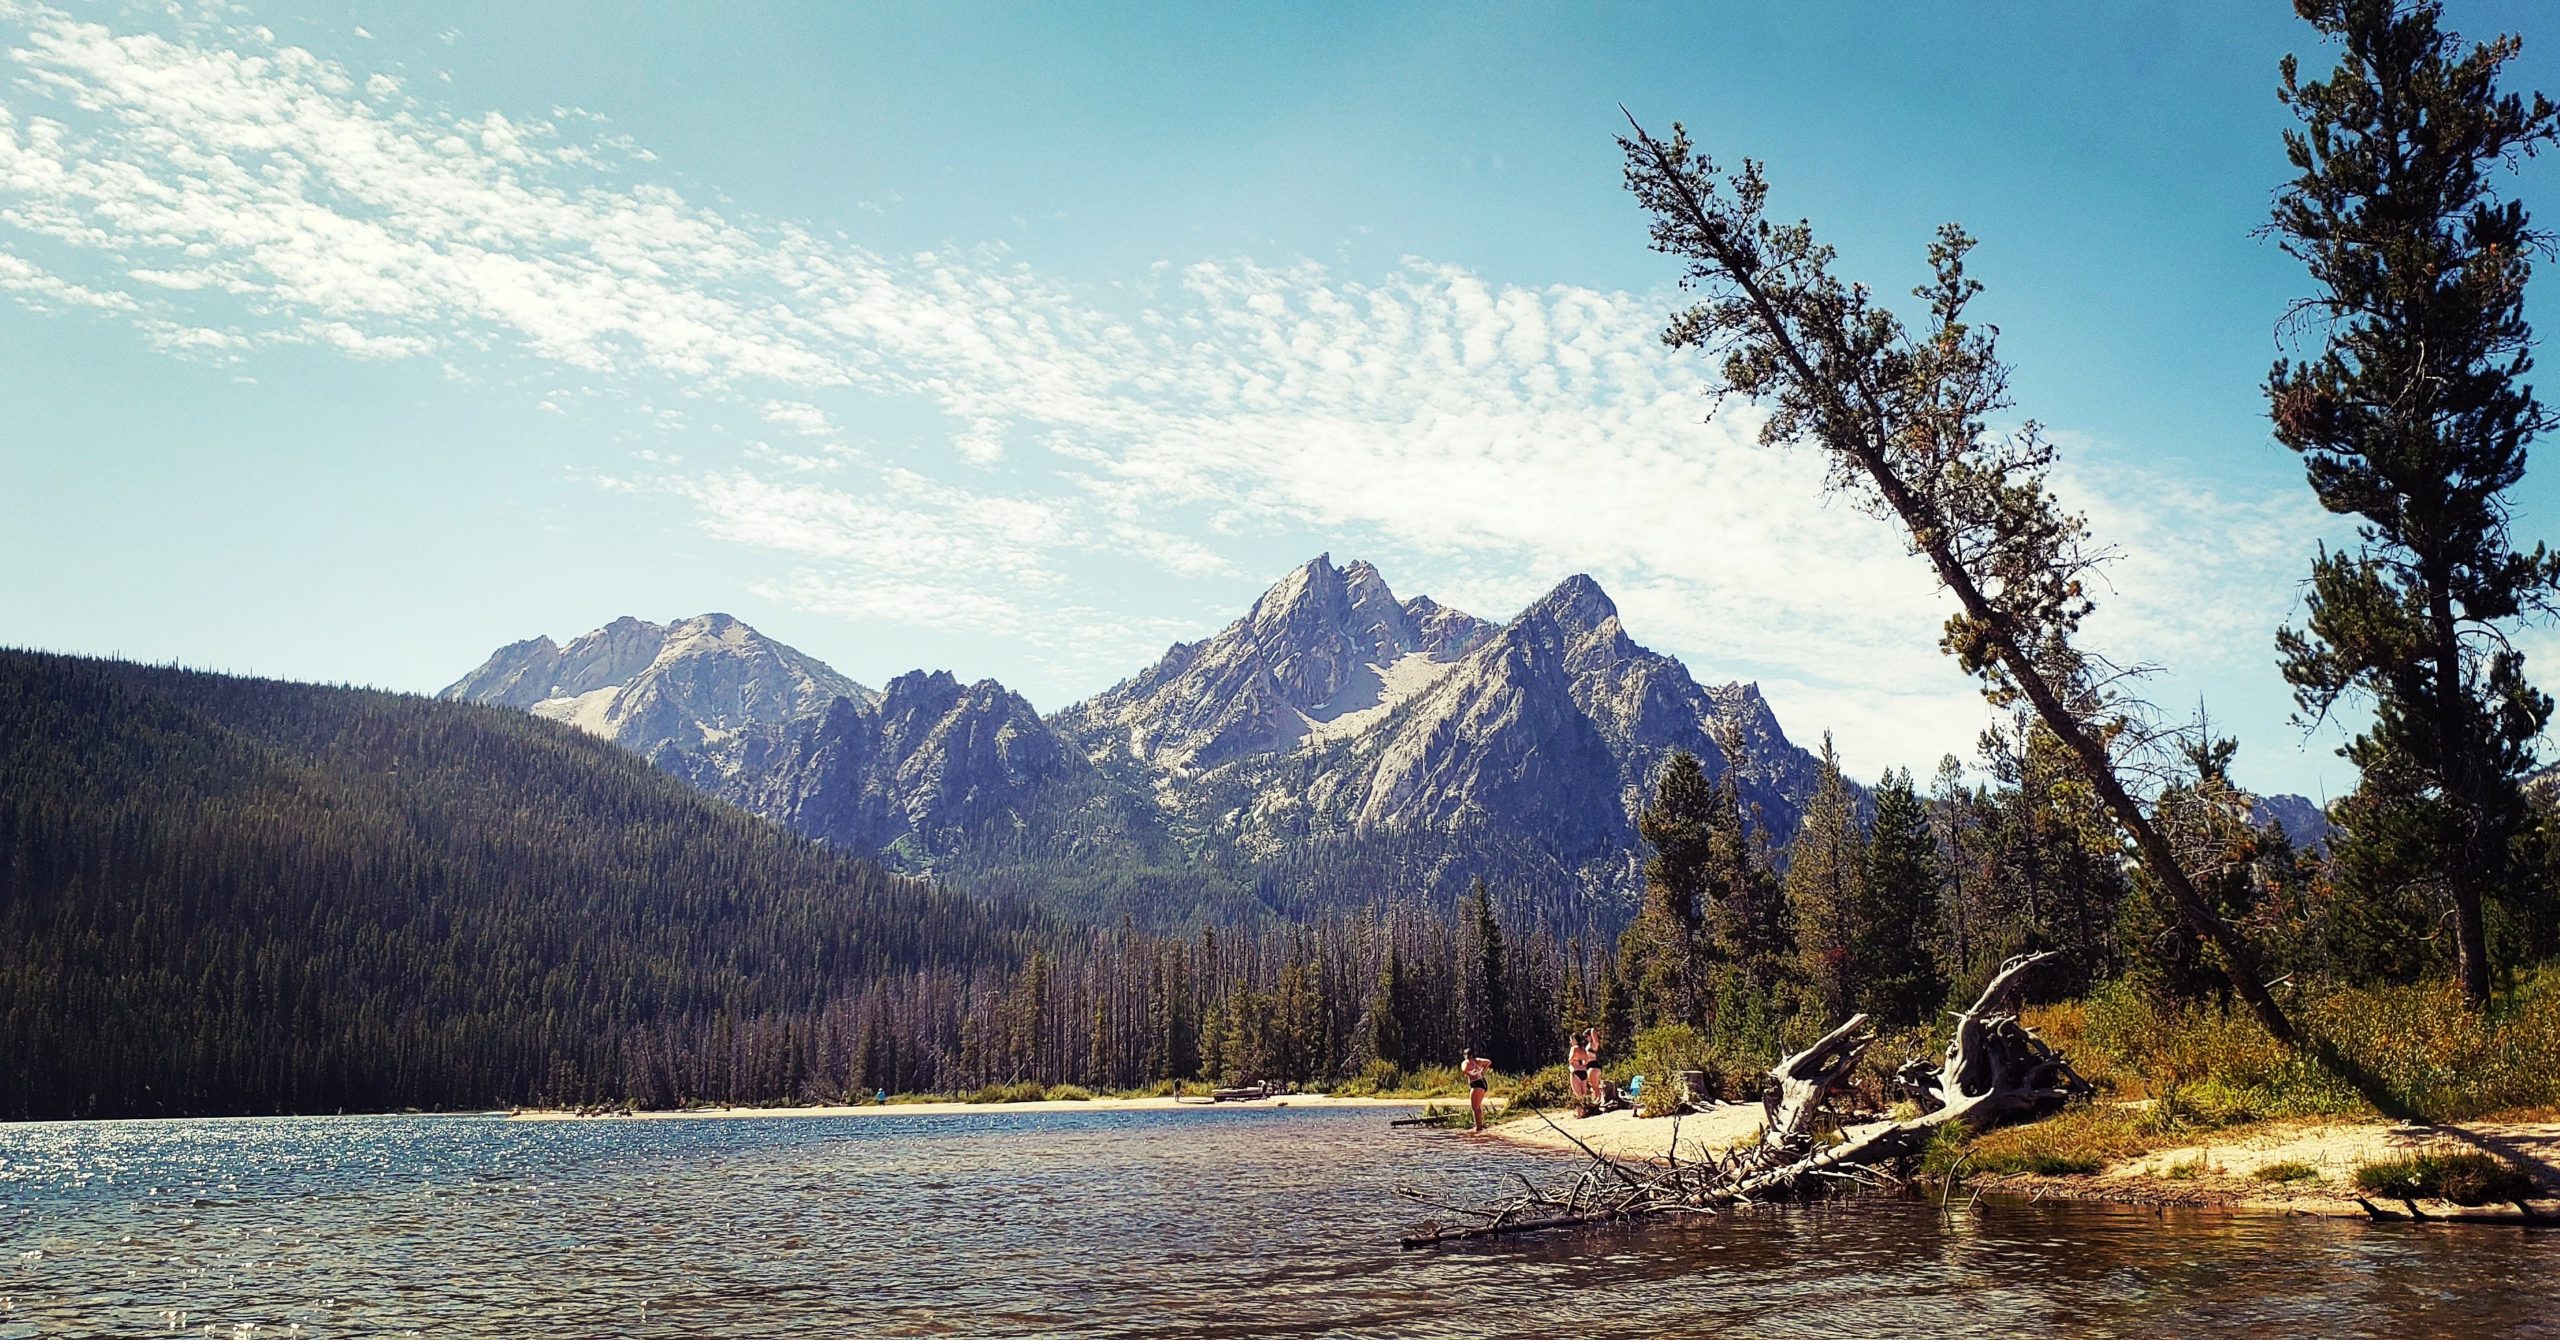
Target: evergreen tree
{"points": [[2415, 419], [1746, 906], [2056, 865], [1902, 416], [1952, 804], [1487, 984], [1659, 954], [1616, 1022], [1678, 826], [1386, 1011], [1899, 981], [1825, 886]]}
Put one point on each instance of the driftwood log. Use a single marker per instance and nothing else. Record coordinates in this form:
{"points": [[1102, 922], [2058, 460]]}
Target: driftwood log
{"points": [[1993, 1071]]}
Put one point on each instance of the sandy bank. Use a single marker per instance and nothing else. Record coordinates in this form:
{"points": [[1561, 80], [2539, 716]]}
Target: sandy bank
{"points": [[945, 1109], [2219, 1172], [2222, 1171], [1624, 1135]]}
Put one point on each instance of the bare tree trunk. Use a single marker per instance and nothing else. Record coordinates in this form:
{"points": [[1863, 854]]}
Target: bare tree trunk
{"points": [[2462, 786]]}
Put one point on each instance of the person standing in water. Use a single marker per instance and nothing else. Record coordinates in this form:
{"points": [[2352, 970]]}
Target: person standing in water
{"points": [[1476, 1069]]}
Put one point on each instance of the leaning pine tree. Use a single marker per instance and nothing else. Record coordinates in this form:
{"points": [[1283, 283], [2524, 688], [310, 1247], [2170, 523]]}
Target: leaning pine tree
{"points": [[2415, 420], [1901, 417]]}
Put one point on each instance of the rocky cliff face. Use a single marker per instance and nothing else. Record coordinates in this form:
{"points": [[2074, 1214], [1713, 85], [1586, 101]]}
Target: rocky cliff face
{"points": [[1333, 716], [934, 767], [1321, 716], [2299, 818], [1323, 653], [706, 698]]}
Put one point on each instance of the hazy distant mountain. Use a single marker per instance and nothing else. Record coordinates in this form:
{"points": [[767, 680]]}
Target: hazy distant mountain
{"points": [[704, 698], [1334, 728], [2300, 818], [927, 770]]}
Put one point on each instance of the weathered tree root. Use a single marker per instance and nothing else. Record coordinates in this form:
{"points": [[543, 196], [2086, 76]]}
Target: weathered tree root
{"points": [[1994, 1071]]}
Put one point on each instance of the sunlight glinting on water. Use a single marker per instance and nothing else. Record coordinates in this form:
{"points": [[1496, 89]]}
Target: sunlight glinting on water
{"points": [[1105, 1223]]}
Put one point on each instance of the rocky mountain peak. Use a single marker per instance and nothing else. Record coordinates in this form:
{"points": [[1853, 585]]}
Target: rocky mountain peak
{"points": [[688, 695], [1323, 651]]}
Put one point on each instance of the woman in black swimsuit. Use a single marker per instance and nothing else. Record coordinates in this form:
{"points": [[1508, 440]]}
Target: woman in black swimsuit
{"points": [[1578, 1060], [1476, 1069]]}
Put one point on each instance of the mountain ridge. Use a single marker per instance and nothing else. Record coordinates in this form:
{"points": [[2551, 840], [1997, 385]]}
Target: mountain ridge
{"points": [[1333, 716]]}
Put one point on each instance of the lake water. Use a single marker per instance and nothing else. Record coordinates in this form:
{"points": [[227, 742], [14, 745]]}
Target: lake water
{"points": [[1223, 1222]]}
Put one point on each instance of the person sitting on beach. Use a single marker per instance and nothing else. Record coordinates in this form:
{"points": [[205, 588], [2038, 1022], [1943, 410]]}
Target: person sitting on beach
{"points": [[1476, 1070]]}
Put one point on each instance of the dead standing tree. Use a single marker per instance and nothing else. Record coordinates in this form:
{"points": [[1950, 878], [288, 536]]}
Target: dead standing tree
{"points": [[1993, 1071], [1901, 418]]}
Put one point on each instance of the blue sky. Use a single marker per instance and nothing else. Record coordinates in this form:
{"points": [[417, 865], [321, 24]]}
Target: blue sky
{"points": [[346, 342]]}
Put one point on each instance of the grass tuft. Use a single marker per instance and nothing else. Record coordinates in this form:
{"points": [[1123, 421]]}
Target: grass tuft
{"points": [[2465, 1177]]}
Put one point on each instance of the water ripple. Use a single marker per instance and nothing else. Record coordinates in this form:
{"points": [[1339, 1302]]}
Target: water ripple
{"points": [[1223, 1223]]}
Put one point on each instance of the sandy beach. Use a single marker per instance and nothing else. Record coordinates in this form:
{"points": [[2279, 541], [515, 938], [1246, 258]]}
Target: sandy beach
{"points": [[2221, 1172], [2216, 1172], [940, 1109], [1624, 1135]]}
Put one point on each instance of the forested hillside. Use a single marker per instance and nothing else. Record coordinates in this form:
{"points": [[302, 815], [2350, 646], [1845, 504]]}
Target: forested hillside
{"points": [[227, 895], [236, 895]]}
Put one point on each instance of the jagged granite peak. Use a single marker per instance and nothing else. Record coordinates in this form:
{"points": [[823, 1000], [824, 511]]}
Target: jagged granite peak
{"points": [[1334, 721], [933, 767], [1323, 653], [1559, 725], [1498, 741], [698, 696]]}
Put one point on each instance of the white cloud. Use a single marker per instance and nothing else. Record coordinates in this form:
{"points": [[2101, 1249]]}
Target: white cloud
{"points": [[224, 192]]}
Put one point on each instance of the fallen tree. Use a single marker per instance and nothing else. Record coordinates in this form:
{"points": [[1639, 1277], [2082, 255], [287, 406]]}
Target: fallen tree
{"points": [[1994, 1071]]}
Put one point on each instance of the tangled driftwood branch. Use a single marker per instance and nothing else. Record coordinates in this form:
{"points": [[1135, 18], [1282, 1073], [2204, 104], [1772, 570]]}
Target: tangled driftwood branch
{"points": [[1994, 1071]]}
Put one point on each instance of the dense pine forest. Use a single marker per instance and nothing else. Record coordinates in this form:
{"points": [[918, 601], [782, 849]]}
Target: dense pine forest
{"points": [[228, 895], [233, 895]]}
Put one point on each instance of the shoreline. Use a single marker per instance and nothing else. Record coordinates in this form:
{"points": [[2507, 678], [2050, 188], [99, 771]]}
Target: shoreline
{"points": [[2207, 1173], [957, 1107]]}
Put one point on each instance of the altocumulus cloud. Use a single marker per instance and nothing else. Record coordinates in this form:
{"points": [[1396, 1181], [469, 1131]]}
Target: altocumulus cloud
{"points": [[225, 192]]}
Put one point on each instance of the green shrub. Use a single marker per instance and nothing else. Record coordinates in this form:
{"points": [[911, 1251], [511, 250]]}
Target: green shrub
{"points": [[1668, 1050], [2075, 1140], [1545, 1089], [1665, 1099], [2287, 1172], [1068, 1093], [1026, 1091], [1377, 1077], [1435, 1080], [2187, 1171], [1947, 1153], [2428, 1053], [2200, 1105], [2464, 1177]]}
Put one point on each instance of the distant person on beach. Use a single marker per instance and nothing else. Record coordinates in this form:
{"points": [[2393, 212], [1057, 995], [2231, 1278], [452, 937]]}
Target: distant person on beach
{"points": [[1579, 1058], [1476, 1069]]}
